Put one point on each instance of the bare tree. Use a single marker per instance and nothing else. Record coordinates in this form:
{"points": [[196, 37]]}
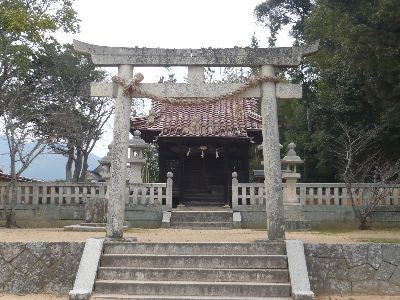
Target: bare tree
{"points": [[76, 130], [368, 176], [17, 124]]}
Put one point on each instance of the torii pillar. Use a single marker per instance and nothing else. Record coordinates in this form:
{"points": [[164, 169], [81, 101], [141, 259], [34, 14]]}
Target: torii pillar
{"points": [[272, 158], [119, 158], [266, 58]]}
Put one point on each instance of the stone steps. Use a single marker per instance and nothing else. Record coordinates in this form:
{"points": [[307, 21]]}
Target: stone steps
{"points": [[202, 225], [152, 297], [193, 271], [203, 207], [202, 219], [195, 261], [192, 274], [90, 227], [201, 216], [270, 248], [184, 288]]}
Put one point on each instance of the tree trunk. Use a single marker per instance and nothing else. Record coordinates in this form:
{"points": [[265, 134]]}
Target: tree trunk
{"points": [[363, 225], [85, 166], [11, 220], [68, 166], [78, 165]]}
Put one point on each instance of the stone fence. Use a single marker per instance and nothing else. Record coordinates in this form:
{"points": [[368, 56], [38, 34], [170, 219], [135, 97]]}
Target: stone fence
{"points": [[336, 194], [60, 193], [45, 204], [318, 203], [310, 194], [49, 204]]}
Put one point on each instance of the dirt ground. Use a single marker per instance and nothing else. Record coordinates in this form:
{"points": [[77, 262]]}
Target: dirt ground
{"points": [[186, 235], [357, 298], [32, 297]]}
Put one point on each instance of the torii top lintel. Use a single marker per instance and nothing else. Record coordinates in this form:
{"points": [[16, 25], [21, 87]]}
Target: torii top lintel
{"points": [[212, 57]]}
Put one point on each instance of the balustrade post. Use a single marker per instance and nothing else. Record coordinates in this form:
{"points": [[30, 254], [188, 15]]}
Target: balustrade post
{"points": [[168, 196], [2, 195], [396, 198], [303, 194], [18, 189], [235, 191]]}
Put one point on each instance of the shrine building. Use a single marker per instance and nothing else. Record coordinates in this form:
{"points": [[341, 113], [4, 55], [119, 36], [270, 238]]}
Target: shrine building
{"points": [[202, 145]]}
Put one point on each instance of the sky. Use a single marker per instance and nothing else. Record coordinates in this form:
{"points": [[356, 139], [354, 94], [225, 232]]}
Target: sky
{"points": [[167, 24]]}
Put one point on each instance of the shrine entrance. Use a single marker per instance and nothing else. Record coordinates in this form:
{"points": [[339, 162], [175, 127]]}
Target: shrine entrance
{"points": [[203, 174], [202, 161], [266, 87], [204, 180]]}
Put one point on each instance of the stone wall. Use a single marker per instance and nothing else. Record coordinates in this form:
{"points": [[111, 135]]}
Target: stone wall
{"points": [[53, 215], [39, 267], [253, 216], [47, 215], [354, 268], [320, 215], [51, 267]]}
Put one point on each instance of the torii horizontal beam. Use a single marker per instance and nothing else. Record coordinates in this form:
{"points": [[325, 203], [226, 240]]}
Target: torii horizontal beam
{"points": [[209, 57], [196, 90]]}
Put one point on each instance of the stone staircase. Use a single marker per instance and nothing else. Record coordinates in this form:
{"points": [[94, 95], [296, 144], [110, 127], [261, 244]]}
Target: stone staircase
{"points": [[202, 218], [193, 271]]}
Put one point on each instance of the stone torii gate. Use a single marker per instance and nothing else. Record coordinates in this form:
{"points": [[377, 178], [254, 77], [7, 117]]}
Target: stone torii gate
{"points": [[195, 59]]}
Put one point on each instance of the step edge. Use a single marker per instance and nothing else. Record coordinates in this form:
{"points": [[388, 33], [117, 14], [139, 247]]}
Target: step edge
{"points": [[193, 269], [221, 283], [193, 255], [117, 296], [102, 296]]}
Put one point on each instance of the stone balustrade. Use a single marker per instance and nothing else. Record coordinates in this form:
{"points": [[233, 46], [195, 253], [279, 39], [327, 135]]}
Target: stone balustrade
{"points": [[314, 194], [149, 194], [160, 194], [310, 194], [248, 194], [67, 194]]}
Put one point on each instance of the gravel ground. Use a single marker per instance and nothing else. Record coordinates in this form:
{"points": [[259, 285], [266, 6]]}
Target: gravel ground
{"points": [[186, 235], [32, 297]]}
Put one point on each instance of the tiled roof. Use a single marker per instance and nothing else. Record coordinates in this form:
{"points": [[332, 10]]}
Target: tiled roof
{"points": [[225, 118], [7, 177]]}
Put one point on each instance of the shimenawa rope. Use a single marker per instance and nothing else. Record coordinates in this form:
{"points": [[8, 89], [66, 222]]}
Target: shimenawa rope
{"points": [[134, 87]]}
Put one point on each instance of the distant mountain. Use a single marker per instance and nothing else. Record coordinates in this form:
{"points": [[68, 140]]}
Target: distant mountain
{"points": [[45, 167]]}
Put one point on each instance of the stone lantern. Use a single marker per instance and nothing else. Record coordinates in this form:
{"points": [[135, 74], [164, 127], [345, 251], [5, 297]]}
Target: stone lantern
{"points": [[290, 175], [105, 165], [136, 158]]}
